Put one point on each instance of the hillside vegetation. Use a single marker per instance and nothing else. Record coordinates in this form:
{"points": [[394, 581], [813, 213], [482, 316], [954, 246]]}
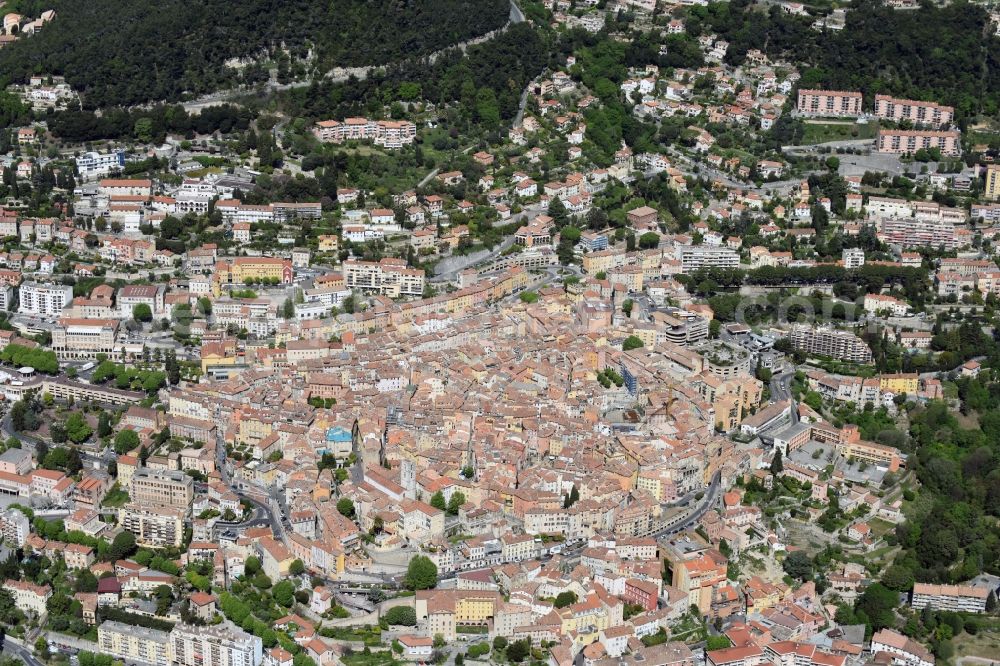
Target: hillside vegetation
{"points": [[123, 53], [941, 53]]}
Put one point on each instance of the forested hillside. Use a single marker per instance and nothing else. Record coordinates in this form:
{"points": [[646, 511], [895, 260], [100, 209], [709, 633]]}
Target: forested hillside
{"points": [[945, 53], [121, 53]]}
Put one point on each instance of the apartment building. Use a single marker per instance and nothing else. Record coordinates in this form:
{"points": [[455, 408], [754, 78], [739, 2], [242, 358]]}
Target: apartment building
{"points": [[695, 257], [28, 597], [132, 187], [918, 232], [854, 257], [831, 342], [929, 113], [235, 212], [95, 165], [958, 598], [875, 303], [243, 269], [991, 183], [214, 646], [133, 643], [75, 338], [391, 134], [830, 103], [389, 277], [904, 651], [849, 444], [14, 527], [153, 526], [140, 294], [910, 141], [444, 610], [161, 487], [44, 300]]}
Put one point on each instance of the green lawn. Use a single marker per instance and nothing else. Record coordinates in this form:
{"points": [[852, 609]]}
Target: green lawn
{"points": [[115, 498], [840, 131], [374, 659]]}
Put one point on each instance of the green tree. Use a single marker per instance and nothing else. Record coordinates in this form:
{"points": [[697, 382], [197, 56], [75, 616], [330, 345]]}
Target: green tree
{"points": [[421, 574], [122, 546], [346, 507], [632, 342], [564, 599], [77, 428], [103, 425], [438, 501], [518, 650], [142, 312], [401, 615], [798, 565], [649, 240], [143, 130], [296, 568], [777, 466], [284, 593], [455, 503], [125, 441]]}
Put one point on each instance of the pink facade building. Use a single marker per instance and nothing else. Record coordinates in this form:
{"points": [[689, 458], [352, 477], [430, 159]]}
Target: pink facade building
{"points": [[910, 141], [929, 113], [830, 103]]}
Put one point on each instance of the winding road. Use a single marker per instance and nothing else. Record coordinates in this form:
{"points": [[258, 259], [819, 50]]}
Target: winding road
{"points": [[341, 74]]}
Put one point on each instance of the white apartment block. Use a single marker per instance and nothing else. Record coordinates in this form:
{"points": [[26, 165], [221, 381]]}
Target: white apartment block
{"points": [[14, 527], [959, 598], [214, 646], [854, 257], [132, 643], [389, 277], [45, 300], [156, 527], [917, 232], [695, 257], [95, 165], [904, 651], [830, 342]]}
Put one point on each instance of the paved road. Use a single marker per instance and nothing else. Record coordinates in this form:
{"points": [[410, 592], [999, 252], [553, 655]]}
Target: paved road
{"points": [[708, 501], [21, 652], [339, 74]]}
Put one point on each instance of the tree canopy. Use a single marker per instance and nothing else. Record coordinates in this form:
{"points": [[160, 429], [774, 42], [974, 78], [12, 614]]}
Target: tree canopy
{"points": [[185, 48]]}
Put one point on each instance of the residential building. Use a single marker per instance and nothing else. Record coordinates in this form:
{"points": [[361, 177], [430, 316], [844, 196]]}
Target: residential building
{"points": [[161, 487], [957, 598], [830, 103], [96, 165], [154, 526], [695, 257], [79, 338], [45, 300], [389, 277], [129, 642], [214, 646], [391, 134], [921, 113], [991, 183], [903, 651], [910, 141], [28, 597], [831, 342]]}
